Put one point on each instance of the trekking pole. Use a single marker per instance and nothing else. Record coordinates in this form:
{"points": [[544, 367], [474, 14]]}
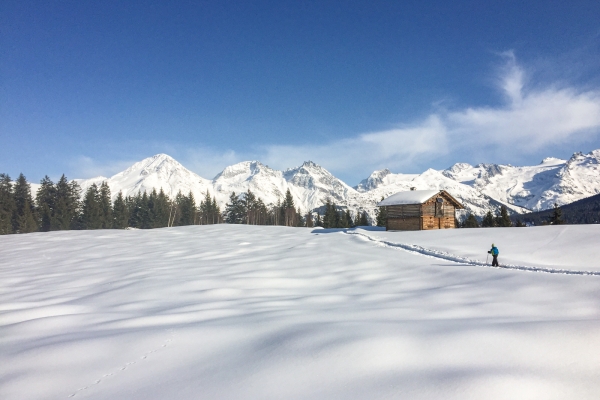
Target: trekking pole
{"points": [[486, 258]]}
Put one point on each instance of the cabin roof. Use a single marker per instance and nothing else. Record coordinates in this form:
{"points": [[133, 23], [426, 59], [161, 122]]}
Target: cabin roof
{"points": [[410, 197], [414, 197]]}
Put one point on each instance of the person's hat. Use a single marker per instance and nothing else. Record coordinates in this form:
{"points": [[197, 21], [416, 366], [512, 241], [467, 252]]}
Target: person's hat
{"points": [[493, 245]]}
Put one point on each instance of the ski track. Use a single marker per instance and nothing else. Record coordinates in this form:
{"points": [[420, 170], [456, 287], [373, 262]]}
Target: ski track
{"points": [[124, 366], [416, 249]]}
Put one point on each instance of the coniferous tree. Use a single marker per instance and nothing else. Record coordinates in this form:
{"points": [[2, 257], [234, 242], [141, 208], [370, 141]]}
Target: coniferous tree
{"points": [[363, 221], [104, 207], [331, 217], [66, 211], [519, 223], [24, 219], [7, 205], [90, 215], [309, 220], [318, 220], [234, 210], [206, 210], [250, 206], [289, 209], [120, 213], [345, 219], [556, 218], [381, 215], [470, 222], [502, 219], [46, 203], [134, 207], [160, 210], [300, 222], [488, 220], [216, 217], [187, 209]]}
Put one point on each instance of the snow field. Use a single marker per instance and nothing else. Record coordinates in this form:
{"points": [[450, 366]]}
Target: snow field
{"points": [[230, 312]]}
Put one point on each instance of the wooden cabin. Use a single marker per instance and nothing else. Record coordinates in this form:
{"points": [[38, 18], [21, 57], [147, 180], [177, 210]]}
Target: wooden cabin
{"points": [[417, 210]]}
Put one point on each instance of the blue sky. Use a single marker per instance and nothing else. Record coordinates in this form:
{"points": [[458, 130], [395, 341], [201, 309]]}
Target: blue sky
{"points": [[88, 88]]}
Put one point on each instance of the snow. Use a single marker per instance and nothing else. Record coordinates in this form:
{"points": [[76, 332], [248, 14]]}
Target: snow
{"points": [[232, 312], [479, 188], [408, 197]]}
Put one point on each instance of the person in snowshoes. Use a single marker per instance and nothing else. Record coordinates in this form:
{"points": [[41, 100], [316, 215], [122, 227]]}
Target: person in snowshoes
{"points": [[494, 252]]}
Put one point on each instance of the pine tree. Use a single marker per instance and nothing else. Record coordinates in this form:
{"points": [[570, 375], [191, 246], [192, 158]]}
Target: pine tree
{"points": [[470, 222], [90, 215], [46, 198], [105, 207], [300, 222], [318, 220], [502, 219], [234, 210], [120, 213], [488, 220], [519, 223], [250, 207], [24, 215], [66, 211], [160, 210], [216, 217], [363, 221], [556, 218], [381, 215], [331, 217], [309, 220], [345, 219], [7, 205], [289, 209]]}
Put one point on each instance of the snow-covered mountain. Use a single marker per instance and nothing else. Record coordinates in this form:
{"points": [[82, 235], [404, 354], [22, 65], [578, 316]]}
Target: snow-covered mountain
{"points": [[158, 172], [534, 187], [480, 188]]}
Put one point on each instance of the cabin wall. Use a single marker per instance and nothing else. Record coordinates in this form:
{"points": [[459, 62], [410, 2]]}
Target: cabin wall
{"points": [[404, 224], [430, 223], [427, 216]]}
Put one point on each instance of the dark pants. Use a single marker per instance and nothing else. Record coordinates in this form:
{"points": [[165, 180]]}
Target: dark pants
{"points": [[495, 261]]}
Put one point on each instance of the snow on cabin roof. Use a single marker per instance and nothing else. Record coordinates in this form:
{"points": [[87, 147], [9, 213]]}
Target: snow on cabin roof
{"points": [[410, 197]]}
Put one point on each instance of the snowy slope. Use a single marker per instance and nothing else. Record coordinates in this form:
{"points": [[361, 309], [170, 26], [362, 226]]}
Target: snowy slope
{"points": [[534, 187], [480, 188], [158, 172], [474, 201], [246, 312]]}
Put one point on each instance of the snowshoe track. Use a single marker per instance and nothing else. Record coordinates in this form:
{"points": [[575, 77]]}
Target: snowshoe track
{"points": [[416, 249]]}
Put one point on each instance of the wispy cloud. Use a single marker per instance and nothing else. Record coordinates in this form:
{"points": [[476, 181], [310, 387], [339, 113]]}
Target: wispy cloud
{"points": [[530, 119], [88, 167]]}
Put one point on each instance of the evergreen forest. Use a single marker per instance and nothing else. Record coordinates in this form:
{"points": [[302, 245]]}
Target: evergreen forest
{"points": [[63, 206]]}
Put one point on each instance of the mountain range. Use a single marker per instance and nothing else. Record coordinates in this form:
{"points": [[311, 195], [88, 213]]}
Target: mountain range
{"points": [[480, 188]]}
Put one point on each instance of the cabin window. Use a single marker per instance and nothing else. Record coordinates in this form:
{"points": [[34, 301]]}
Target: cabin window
{"points": [[439, 207]]}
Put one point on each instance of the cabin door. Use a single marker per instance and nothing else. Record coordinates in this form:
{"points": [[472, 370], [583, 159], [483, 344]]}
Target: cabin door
{"points": [[439, 212]]}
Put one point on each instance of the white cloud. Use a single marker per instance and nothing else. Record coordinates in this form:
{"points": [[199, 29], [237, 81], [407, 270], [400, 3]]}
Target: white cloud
{"points": [[86, 167], [530, 120], [392, 148]]}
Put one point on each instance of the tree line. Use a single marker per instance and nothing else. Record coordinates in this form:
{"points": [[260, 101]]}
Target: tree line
{"points": [[502, 219], [248, 209], [61, 206]]}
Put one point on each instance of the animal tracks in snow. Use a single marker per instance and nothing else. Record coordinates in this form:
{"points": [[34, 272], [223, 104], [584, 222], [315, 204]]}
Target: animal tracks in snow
{"points": [[125, 366], [416, 249]]}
